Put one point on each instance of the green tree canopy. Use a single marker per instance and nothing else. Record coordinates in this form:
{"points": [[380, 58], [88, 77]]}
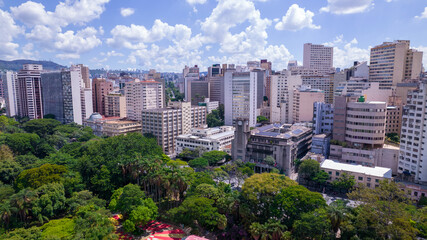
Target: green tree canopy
{"points": [[41, 127], [37, 177], [22, 143]]}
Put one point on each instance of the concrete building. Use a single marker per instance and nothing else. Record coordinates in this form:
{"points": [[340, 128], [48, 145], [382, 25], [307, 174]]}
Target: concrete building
{"points": [[199, 91], [141, 95], [69, 98], [240, 94], [209, 105], [392, 62], [96, 122], [402, 89], [120, 127], [284, 143], [189, 74], [322, 82], [100, 88], [206, 139], [368, 176], [323, 117], [115, 105], [318, 57], [320, 144], [29, 97], [363, 87], [413, 144], [10, 86], [216, 90], [166, 124], [85, 74], [281, 101], [303, 100]]}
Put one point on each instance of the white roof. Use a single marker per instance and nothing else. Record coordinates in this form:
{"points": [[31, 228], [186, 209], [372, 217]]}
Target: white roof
{"points": [[372, 171]]}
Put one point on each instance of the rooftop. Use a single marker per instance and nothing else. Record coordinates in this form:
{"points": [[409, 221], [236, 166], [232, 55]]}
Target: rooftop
{"points": [[371, 171]]}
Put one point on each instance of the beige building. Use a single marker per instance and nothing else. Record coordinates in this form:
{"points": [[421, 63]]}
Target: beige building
{"points": [[115, 105], [166, 124], [392, 62], [141, 95], [368, 176], [394, 115], [303, 99], [318, 57], [120, 127], [322, 82]]}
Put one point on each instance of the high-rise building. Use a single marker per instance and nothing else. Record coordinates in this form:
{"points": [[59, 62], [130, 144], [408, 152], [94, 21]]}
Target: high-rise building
{"points": [[10, 86], [322, 82], [323, 117], [100, 88], [29, 98], [281, 102], [303, 99], [190, 74], [392, 62], [394, 115], [142, 95], [166, 124], [318, 57], [363, 87], [115, 105], [240, 94], [413, 145], [85, 74], [199, 91], [69, 100]]}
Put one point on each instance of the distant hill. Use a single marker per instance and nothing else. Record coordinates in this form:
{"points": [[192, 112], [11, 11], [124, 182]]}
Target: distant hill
{"points": [[16, 65]]}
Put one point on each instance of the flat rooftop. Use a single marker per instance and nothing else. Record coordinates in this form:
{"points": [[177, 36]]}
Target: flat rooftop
{"points": [[372, 171]]}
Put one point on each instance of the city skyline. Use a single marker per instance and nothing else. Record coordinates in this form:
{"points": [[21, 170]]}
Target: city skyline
{"points": [[166, 35]]}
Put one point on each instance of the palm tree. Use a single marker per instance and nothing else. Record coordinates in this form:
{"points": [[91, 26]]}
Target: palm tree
{"points": [[6, 211], [22, 202], [337, 214]]}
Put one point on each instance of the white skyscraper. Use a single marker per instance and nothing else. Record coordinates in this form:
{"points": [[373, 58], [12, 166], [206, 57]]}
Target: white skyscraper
{"points": [[318, 57], [10, 87], [413, 145], [142, 95], [240, 94]]}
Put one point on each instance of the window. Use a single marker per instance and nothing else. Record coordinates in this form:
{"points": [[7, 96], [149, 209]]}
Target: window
{"points": [[337, 173], [377, 180], [360, 178], [368, 179]]}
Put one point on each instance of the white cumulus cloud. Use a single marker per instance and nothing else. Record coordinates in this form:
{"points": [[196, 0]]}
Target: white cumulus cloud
{"points": [[296, 18], [8, 30], [347, 6], [345, 53], [423, 14], [126, 12], [192, 2]]}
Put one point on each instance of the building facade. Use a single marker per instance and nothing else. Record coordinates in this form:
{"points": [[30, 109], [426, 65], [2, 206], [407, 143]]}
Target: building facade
{"points": [[206, 139], [166, 124], [141, 95], [29, 98], [413, 145], [318, 57], [323, 117], [115, 105], [10, 86], [100, 88], [322, 82], [303, 101]]}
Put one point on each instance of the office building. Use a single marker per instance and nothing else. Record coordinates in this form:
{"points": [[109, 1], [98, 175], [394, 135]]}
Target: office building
{"points": [[199, 91], [281, 102], [284, 143], [363, 87], [69, 100], [166, 124], [189, 74], [210, 105], [118, 127], [85, 74], [321, 144], [394, 115], [100, 88], [392, 62], [240, 94], [10, 86], [206, 139], [318, 57], [368, 176], [142, 95], [115, 105], [413, 143], [303, 99], [29, 97], [323, 117], [321, 82]]}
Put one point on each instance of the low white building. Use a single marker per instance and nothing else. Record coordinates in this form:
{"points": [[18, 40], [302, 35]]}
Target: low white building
{"points": [[368, 176], [207, 139], [210, 105]]}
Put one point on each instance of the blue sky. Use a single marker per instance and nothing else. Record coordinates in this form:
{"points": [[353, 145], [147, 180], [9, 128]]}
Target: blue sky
{"points": [[168, 34]]}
